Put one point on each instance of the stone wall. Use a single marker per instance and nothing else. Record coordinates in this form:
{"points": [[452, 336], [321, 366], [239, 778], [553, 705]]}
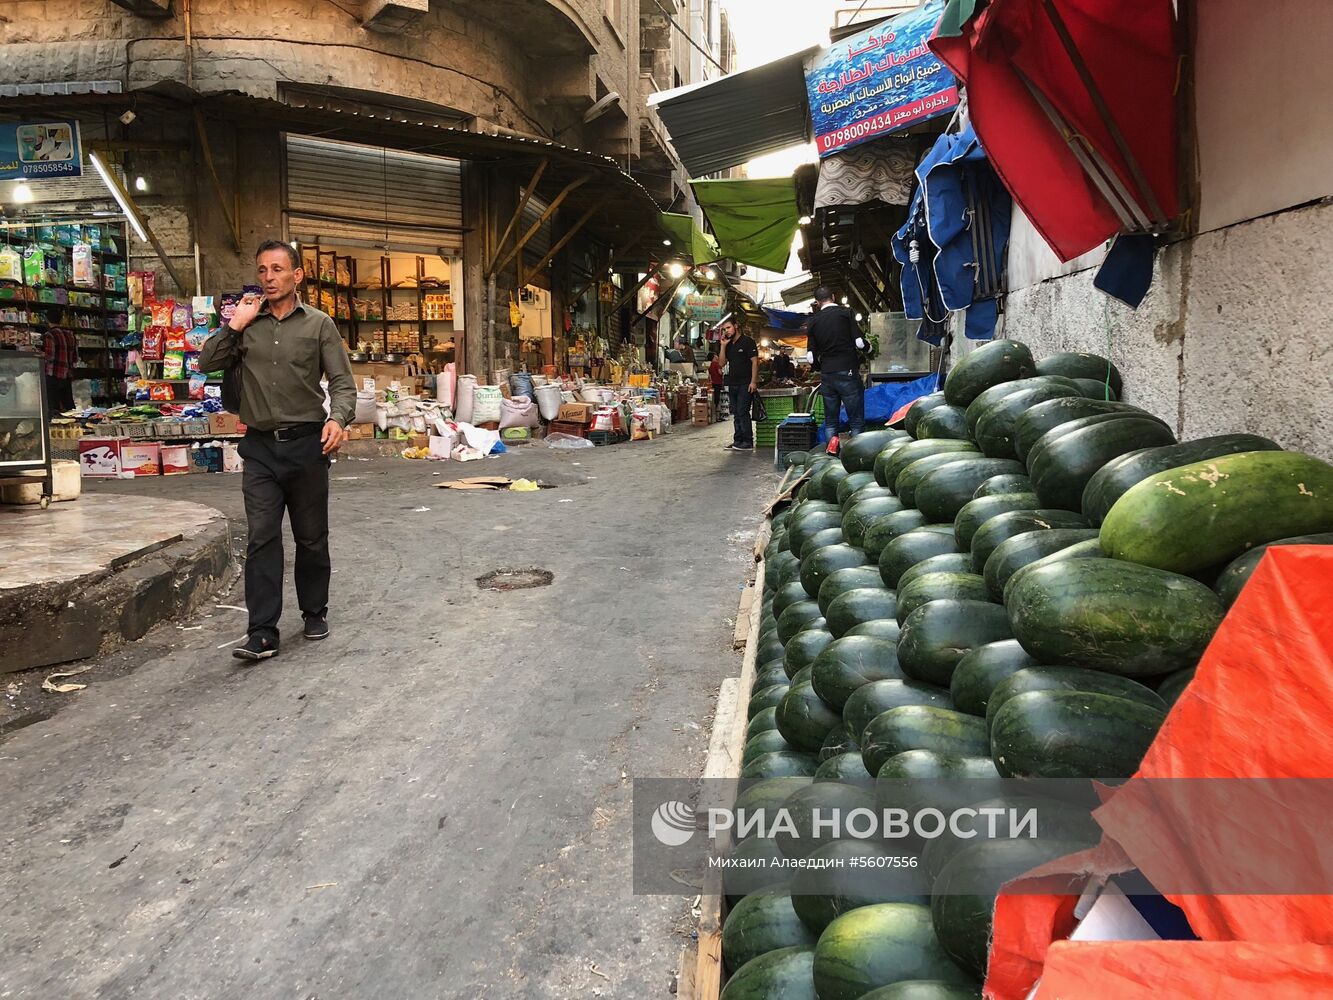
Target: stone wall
{"points": [[1233, 337]]}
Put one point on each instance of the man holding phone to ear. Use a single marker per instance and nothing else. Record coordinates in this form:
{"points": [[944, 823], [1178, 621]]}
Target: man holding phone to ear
{"points": [[284, 347]]}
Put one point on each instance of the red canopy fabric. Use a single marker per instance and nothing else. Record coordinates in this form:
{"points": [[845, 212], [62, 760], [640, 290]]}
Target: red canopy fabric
{"points": [[1129, 49]]}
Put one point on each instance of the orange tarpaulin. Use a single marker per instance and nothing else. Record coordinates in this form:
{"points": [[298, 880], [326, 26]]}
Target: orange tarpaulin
{"points": [[1259, 707]]}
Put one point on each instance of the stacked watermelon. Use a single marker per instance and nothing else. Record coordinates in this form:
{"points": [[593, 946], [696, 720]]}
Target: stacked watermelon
{"points": [[1017, 584]]}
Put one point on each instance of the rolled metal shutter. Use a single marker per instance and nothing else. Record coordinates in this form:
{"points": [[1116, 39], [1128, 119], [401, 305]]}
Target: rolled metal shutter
{"points": [[341, 192]]}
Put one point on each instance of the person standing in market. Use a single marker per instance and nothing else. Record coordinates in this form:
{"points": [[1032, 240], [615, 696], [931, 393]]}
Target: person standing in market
{"points": [[283, 348], [834, 344], [783, 369], [715, 381], [741, 372], [60, 349]]}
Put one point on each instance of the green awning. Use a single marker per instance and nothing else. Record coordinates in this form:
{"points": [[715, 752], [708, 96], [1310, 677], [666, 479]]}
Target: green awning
{"points": [[688, 238], [956, 14], [755, 220]]}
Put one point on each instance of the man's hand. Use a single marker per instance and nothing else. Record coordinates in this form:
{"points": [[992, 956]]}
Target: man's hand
{"points": [[754, 387], [332, 436], [246, 311]]}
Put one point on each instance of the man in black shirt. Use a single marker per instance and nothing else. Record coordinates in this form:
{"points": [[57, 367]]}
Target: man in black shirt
{"points": [[741, 359], [835, 345], [782, 366]]}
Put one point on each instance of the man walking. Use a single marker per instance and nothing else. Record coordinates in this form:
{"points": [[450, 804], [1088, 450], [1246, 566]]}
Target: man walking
{"points": [[835, 344], [283, 347], [741, 371]]}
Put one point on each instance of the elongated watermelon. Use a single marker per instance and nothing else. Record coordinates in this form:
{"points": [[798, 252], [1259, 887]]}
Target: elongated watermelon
{"points": [[816, 567], [856, 607], [888, 528], [963, 900], [978, 511], [804, 720], [851, 484], [1109, 615], [846, 876], [1208, 513], [845, 767], [1034, 424], [883, 459], [862, 515], [851, 662], [981, 670], [909, 549], [769, 741], [1070, 679], [915, 780], [786, 974], [830, 478], [814, 486], [775, 567], [879, 945], [988, 365], [949, 562], [769, 675], [767, 794], [802, 675], [1114, 479], [821, 540], [996, 393], [919, 409], [1005, 526], [770, 646], [1056, 820], [880, 628], [762, 922], [786, 596], [781, 764], [803, 833], [943, 492], [839, 741], [1000, 485], [913, 474], [1091, 549], [994, 430], [1093, 389], [809, 525], [1061, 466], [877, 697], [765, 720], [842, 580], [1237, 573], [1014, 553], [1072, 734], [796, 617], [766, 697], [921, 727], [1173, 686], [758, 861], [1079, 365], [915, 451], [858, 454], [873, 491], [943, 422], [928, 587], [923, 989], [803, 648], [936, 635]]}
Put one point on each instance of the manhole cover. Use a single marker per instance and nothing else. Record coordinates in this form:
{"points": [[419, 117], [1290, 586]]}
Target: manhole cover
{"points": [[515, 579]]}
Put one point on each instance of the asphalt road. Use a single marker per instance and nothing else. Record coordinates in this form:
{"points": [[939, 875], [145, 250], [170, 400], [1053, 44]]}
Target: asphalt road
{"points": [[435, 802]]}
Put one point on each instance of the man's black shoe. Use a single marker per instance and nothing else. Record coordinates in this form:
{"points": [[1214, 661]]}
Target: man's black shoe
{"points": [[257, 647], [316, 627]]}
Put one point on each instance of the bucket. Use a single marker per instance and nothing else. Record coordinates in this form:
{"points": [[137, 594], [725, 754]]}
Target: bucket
{"points": [[548, 401]]}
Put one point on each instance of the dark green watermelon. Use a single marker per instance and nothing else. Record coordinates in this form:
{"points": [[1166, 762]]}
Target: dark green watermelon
{"points": [[922, 727], [1039, 678], [786, 974], [769, 741], [877, 697], [1061, 466], [1022, 550], [804, 720], [851, 484], [988, 365], [1003, 527], [803, 649], [765, 720], [821, 540], [767, 697], [845, 876], [1033, 424], [981, 670], [910, 548], [838, 741], [1072, 734], [950, 562], [1079, 365], [800, 836], [915, 451], [845, 767], [919, 409], [997, 485], [936, 636], [889, 527], [856, 607], [796, 617], [858, 453], [880, 628], [786, 596], [842, 580], [979, 510], [761, 923], [780, 764], [862, 515], [818, 565], [848, 663], [944, 491], [759, 867], [927, 587], [943, 422], [994, 430], [878, 945], [1173, 686]]}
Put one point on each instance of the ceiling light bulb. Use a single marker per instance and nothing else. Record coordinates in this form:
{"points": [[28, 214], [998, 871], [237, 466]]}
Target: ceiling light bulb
{"points": [[844, 300], [805, 220], [140, 184], [709, 273], [675, 270], [666, 243], [22, 193], [859, 317], [764, 343]]}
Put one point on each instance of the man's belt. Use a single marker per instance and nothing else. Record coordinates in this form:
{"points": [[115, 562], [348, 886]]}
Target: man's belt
{"points": [[291, 432]]}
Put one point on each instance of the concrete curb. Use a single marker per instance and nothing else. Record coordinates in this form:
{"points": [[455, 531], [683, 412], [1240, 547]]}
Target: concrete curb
{"points": [[74, 619]]}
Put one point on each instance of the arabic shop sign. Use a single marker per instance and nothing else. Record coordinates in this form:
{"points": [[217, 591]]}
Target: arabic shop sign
{"points": [[32, 150], [705, 307], [878, 82]]}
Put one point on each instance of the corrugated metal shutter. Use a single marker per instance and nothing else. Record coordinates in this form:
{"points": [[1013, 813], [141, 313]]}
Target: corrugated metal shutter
{"points": [[341, 192]]}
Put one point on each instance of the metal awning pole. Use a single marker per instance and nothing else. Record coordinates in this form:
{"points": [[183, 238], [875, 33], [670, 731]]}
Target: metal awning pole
{"points": [[1104, 112]]}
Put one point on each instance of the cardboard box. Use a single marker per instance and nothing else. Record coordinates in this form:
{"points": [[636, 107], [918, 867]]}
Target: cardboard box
{"points": [[420, 441], [206, 458], [360, 432], [99, 458], [140, 459], [225, 423], [576, 413], [175, 459], [703, 412]]}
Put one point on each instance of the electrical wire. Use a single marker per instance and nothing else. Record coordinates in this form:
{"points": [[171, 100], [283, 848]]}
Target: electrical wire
{"points": [[686, 35]]}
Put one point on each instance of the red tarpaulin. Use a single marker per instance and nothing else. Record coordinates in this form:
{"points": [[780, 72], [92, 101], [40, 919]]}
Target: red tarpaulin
{"points": [[1128, 49]]}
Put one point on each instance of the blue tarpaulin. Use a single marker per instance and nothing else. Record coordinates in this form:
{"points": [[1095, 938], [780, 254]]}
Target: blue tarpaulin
{"points": [[781, 319], [884, 399]]}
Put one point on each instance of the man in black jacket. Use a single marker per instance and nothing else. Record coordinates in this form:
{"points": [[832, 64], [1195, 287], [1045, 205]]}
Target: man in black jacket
{"points": [[835, 346]]}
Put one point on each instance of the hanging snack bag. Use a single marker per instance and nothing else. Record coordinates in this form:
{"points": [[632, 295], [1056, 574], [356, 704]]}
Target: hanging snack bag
{"points": [[153, 343], [173, 364]]}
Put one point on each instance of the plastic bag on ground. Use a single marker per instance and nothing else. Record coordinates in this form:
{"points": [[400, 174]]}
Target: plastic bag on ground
{"points": [[568, 441]]}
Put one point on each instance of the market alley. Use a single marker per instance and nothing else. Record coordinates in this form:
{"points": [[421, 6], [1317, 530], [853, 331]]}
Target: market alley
{"points": [[432, 803]]}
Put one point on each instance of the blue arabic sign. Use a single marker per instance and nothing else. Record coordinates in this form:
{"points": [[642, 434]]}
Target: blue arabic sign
{"points": [[33, 150], [878, 82]]}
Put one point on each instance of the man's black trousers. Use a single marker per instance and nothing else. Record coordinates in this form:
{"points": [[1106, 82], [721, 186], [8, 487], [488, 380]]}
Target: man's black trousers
{"points": [[291, 476]]}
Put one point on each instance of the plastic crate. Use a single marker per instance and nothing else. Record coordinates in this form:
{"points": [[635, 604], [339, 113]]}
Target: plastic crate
{"points": [[793, 435]]}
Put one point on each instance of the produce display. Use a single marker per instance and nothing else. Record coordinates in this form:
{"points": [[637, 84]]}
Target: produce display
{"points": [[1020, 583]]}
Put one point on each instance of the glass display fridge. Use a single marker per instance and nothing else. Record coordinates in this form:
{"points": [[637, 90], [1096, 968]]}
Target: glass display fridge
{"points": [[25, 443]]}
